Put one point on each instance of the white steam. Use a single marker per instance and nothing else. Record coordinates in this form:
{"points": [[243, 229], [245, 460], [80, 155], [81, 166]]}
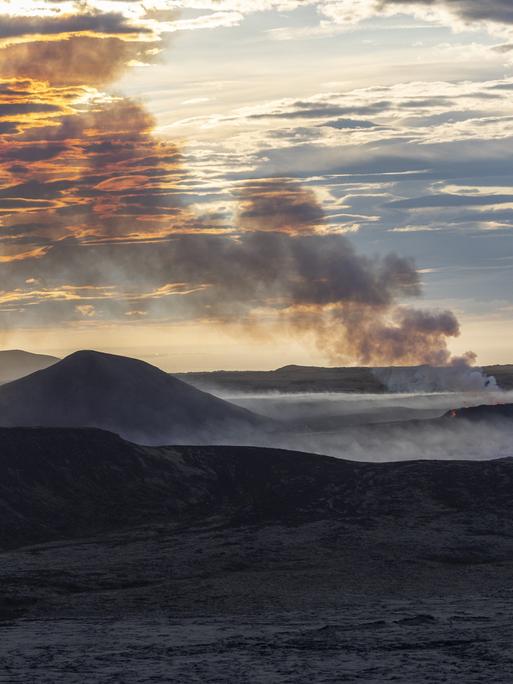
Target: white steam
{"points": [[459, 376], [380, 428]]}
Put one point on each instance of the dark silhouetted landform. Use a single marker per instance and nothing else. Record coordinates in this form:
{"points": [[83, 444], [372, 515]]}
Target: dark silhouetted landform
{"points": [[316, 379], [503, 374], [494, 412], [15, 364], [155, 563], [289, 379], [126, 396], [64, 483]]}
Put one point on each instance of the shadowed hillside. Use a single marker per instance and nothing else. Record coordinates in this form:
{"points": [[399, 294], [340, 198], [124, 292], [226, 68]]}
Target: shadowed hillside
{"points": [[15, 364], [126, 396], [489, 413], [202, 559], [503, 374], [63, 483]]}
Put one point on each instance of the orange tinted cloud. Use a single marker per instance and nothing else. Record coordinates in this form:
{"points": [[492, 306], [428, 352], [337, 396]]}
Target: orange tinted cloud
{"points": [[77, 61], [93, 170], [95, 223]]}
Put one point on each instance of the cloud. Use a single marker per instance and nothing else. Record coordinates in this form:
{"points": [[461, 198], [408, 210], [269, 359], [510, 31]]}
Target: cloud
{"points": [[102, 220], [318, 110], [278, 205], [315, 285], [500, 11], [349, 124], [451, 200], [17, 28], [79, 61], [458, 13], [439, 143], [94, 172]]}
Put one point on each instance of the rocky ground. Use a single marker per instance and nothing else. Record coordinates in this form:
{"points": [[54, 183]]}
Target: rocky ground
{"points": [[309, 603], [257, 566]]}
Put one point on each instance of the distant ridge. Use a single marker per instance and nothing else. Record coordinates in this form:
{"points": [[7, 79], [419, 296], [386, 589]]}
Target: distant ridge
{"points": [[293, 378], [124, 395], [16, 363], [487, 412]]}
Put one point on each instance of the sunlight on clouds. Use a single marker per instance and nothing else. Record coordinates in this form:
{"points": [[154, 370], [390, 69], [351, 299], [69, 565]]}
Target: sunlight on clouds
{"points": [[230, 200]]}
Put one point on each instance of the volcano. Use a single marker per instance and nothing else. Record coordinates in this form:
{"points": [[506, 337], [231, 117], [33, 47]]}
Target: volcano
{"points": [[126, 396]]}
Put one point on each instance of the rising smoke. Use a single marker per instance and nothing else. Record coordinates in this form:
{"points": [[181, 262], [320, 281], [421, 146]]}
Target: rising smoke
{"points": [[458, 375], [96, 224]]}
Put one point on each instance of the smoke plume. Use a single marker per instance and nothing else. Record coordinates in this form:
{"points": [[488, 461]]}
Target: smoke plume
{"points": [[97, 223]]}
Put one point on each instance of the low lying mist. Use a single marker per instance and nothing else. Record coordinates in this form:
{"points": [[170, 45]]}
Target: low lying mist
{"points": [[458, 376], [375, 407], [381, 428], [461, 440]]}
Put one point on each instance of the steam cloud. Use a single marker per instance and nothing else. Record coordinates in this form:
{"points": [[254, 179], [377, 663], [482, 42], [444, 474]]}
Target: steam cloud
{"points": [[95, 223]]}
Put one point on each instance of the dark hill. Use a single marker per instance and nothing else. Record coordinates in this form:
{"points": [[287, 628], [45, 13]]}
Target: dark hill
{"points": [[288, 379], [57, 483], [15, 364], [249, 565], [337, 379], [492, 412], [126, 396], [503, 374]]}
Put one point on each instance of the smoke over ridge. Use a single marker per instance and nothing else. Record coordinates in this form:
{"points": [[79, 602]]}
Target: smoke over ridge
{"points": [[97, 223]]}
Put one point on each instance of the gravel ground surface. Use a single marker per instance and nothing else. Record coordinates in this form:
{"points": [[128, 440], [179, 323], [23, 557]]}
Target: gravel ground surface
{"points": [[322, 602]]}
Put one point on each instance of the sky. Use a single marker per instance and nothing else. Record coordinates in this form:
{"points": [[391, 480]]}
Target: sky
{"points": [[247, 184]]}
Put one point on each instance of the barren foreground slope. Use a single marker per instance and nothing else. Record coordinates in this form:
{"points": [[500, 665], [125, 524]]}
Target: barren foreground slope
{"points": [[220, 564]]}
